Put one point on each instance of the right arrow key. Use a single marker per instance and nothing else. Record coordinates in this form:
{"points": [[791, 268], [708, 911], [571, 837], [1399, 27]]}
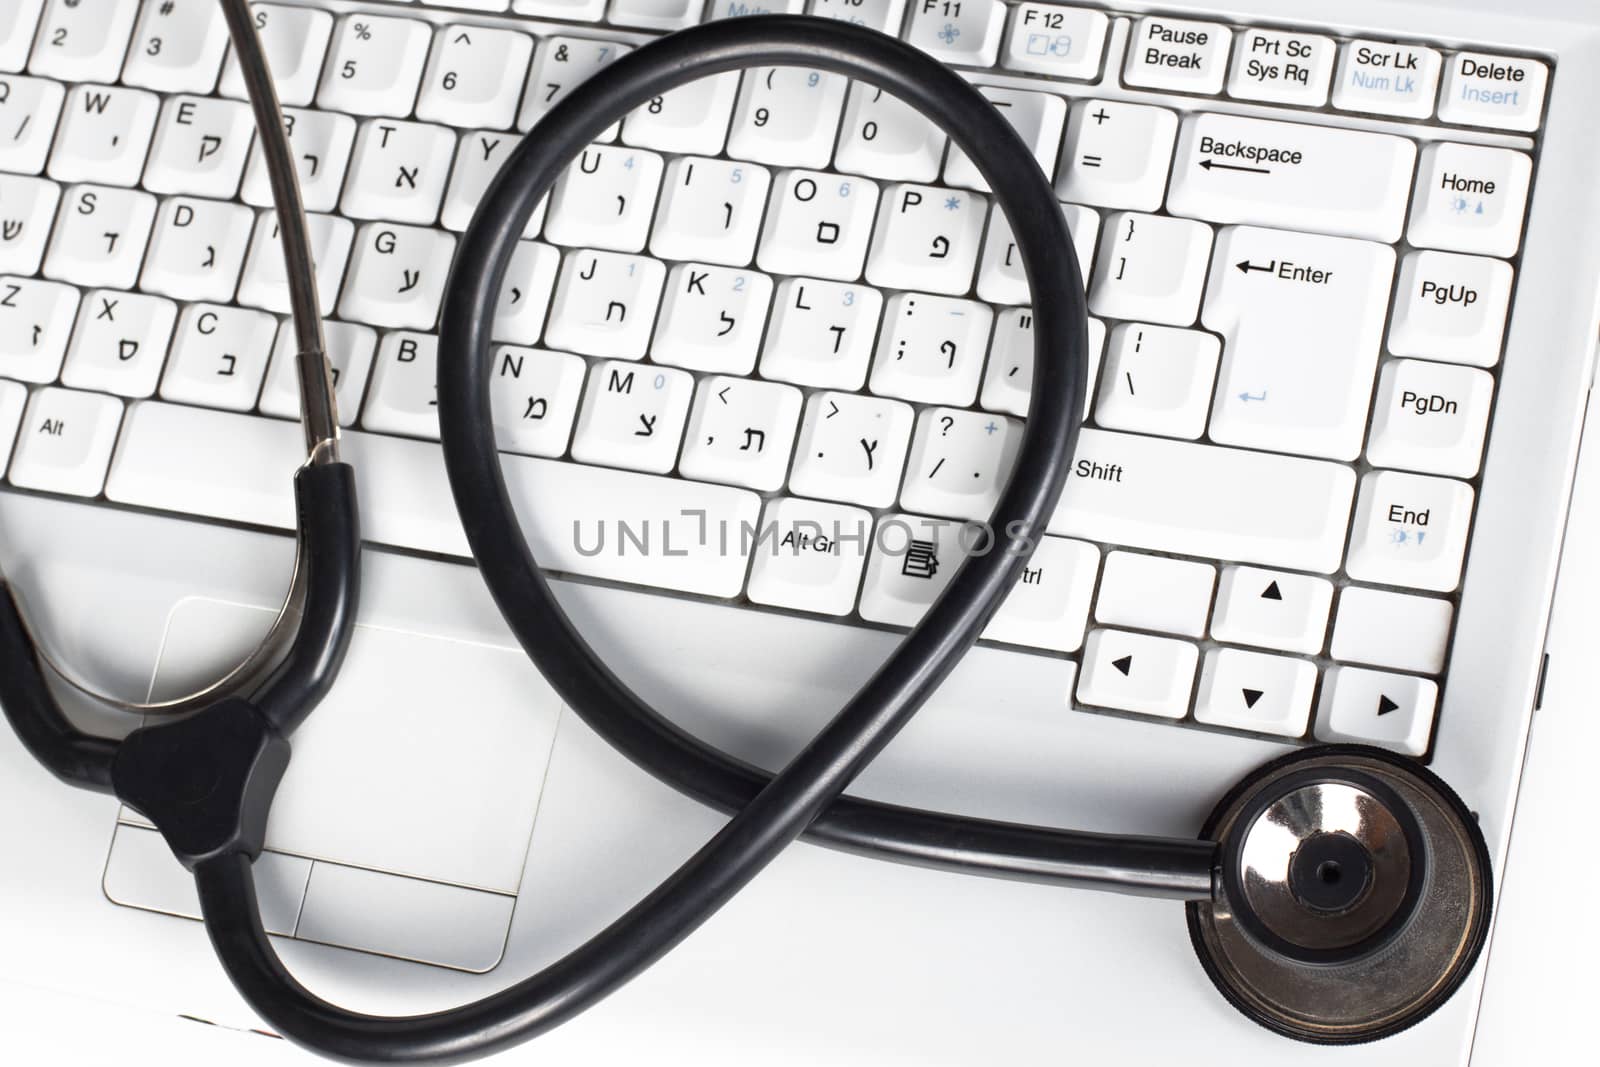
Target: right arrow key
{"points": [[1377, 708]]}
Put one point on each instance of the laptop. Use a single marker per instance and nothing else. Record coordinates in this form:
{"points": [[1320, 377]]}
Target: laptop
{"points": [[1340, 270]]}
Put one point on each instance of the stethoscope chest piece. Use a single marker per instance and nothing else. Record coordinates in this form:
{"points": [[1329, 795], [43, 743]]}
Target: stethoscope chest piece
{"points": [[1352, 895]]}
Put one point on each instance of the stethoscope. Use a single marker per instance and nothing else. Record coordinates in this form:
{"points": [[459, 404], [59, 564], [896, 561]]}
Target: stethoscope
{"points": [[1336, 895]]}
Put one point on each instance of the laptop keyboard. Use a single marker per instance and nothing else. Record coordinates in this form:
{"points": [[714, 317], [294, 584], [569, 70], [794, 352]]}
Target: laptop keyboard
{"points": [[768, 340]]}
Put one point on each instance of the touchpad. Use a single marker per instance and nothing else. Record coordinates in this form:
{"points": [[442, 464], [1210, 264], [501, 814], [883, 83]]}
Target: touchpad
{"points": [[402, 825]]}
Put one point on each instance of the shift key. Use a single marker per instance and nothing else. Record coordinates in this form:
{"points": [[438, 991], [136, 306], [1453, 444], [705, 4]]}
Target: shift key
{"points": [[1317, 178], [1204, 500]]}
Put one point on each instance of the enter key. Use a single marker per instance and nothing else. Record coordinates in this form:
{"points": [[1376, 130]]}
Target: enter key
{"points": [[1301, 318]]}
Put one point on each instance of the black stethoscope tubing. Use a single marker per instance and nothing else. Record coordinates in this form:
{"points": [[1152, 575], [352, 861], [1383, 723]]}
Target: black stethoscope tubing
{"points": [[769, 813]]}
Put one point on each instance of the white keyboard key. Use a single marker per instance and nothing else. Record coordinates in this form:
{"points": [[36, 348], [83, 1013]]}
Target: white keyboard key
{"points": [[741, 432], [1386, 629], [851, 449], [83, 42], [632, 416], [881, 15], [931, 349], [710, 210], [478, 159], [405, 497], [1151, 268], [786, 116], [349, 351], [17, 23], [1008, 380], [65, 442], [1470, 199], [1178, 55], [571, 10], [1410, 531], [1282, 68], [605, 304], [1430, 417], [1282, 386], [1001, 279], [177, 46], [712, 319], [397, 276], [404, 394], [1501, 92], [398, 172], [1270, 609], [295, 40], [1117, 155], [1063, 42], [559, 65], [1158, 380], [821, 333], [1132, 672], [728, 9], [535, 398], [263, 284], [105, 135], [27, 206], [200, 148], [1253, 691], [960, 461], [530, 279], [100, 236], [1038, 119], [818, 224], [197, 249], [1155, 593], [474, 77], [376, 65], [1375, 708], [1233, 169], [13, 399], [883, 137], [29, 111], [963, 33], [913, 558], [604, 199], [120, 343], [1451, 308], [655, 14], [926, 238], [691, 119], [1201, 500], [1383, 78], [219, 357], [1048, 608], [36, 321], [809, 556], [321, 141]]}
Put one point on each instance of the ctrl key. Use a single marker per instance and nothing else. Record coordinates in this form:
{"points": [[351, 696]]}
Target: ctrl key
{"points": [[65, 440], [1377, 708]]}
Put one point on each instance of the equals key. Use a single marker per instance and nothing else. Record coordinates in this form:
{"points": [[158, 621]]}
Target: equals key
{"points": [[1117, 155]]}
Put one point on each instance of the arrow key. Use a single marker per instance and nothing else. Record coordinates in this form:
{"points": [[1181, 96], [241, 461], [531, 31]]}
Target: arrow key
{"points": [[1376, 708], [1133, 672], [1255, 691], [1271, 609]]}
